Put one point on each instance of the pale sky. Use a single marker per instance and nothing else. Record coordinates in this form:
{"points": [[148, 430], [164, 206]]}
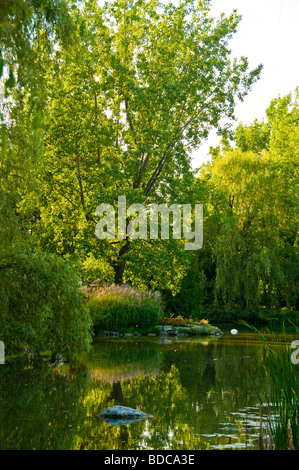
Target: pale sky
{"points": [[269, 34]]}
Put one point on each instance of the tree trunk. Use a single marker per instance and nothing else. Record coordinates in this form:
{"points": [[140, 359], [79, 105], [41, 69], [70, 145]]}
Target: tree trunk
{"points": [[119, 273], [119, 265]]}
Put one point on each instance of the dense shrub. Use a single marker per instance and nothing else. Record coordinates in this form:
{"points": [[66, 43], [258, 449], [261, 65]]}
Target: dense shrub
{"points": [[42, 307], [119, 307]]}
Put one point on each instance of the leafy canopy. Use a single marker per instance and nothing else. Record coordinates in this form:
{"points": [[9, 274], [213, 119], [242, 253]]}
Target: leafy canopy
{"points": [[142, 85]]}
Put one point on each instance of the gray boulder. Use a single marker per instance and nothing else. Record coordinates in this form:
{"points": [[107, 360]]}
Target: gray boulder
{"points": [[119, 415]]}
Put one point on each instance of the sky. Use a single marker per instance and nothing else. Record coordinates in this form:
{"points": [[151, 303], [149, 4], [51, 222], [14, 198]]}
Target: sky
{"points": [[268, 34]]}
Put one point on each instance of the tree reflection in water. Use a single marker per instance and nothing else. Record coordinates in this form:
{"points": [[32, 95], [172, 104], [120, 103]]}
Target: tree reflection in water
{"points": [[199, 394]]}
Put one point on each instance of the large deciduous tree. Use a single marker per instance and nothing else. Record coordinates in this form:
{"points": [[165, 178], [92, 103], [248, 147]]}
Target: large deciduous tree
{"points": [[142, 86]]}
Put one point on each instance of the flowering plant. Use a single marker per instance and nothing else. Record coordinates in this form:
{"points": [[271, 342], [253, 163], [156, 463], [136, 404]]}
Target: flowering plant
{"points": [[85, 295], [177, 321]]}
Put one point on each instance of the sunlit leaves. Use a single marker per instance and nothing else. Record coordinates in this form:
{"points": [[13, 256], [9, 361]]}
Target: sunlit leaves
{"points": [[255, 199], [141, 86]]}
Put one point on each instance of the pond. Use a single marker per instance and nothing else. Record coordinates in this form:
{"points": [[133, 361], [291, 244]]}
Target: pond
{"points": [[201, 393]]}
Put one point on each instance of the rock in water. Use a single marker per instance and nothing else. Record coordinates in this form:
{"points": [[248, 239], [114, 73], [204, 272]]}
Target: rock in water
{"points": [[120, 415]]}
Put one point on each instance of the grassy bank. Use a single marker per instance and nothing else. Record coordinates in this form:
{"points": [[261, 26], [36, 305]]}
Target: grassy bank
{"points": [[124, 309]]}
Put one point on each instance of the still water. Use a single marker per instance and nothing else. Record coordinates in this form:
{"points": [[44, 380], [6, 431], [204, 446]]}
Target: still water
{"points": [[200, 392]]}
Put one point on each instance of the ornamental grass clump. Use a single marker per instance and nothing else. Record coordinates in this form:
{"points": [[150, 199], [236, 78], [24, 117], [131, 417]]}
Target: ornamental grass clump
{"points": [[122, 307]]}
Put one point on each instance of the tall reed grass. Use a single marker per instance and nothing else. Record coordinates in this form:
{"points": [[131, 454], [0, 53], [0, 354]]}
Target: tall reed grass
{"points": [[120, 307], [280, 394]]}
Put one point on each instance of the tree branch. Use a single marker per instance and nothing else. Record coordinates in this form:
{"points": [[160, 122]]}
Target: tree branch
{"points": [[156, 173], [96, 118], [130, 121], [142, 168], [80, 181]]}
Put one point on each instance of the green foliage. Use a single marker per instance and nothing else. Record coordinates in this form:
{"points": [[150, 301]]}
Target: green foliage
{"points": [[22, 21], [29, 31], [249, 257], [121, 307], [124, 112], [254, 137], [191, 293], [117, 112], [255, 198], [42, 307]]}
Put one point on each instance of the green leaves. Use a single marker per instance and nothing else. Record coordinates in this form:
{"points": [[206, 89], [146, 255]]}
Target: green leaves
{"points": [[121, 108], [43, 305], [11, 81], [253, 201]]}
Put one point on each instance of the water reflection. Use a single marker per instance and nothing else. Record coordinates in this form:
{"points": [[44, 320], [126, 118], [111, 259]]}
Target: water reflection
{"points": [[201, 394]]}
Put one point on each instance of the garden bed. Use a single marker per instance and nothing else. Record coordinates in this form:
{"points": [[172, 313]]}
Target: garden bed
{"points": [[169, 330]]}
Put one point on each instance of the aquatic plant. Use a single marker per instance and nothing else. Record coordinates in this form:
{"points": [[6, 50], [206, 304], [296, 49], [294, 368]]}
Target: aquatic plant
{"points": [[280, 394]]}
